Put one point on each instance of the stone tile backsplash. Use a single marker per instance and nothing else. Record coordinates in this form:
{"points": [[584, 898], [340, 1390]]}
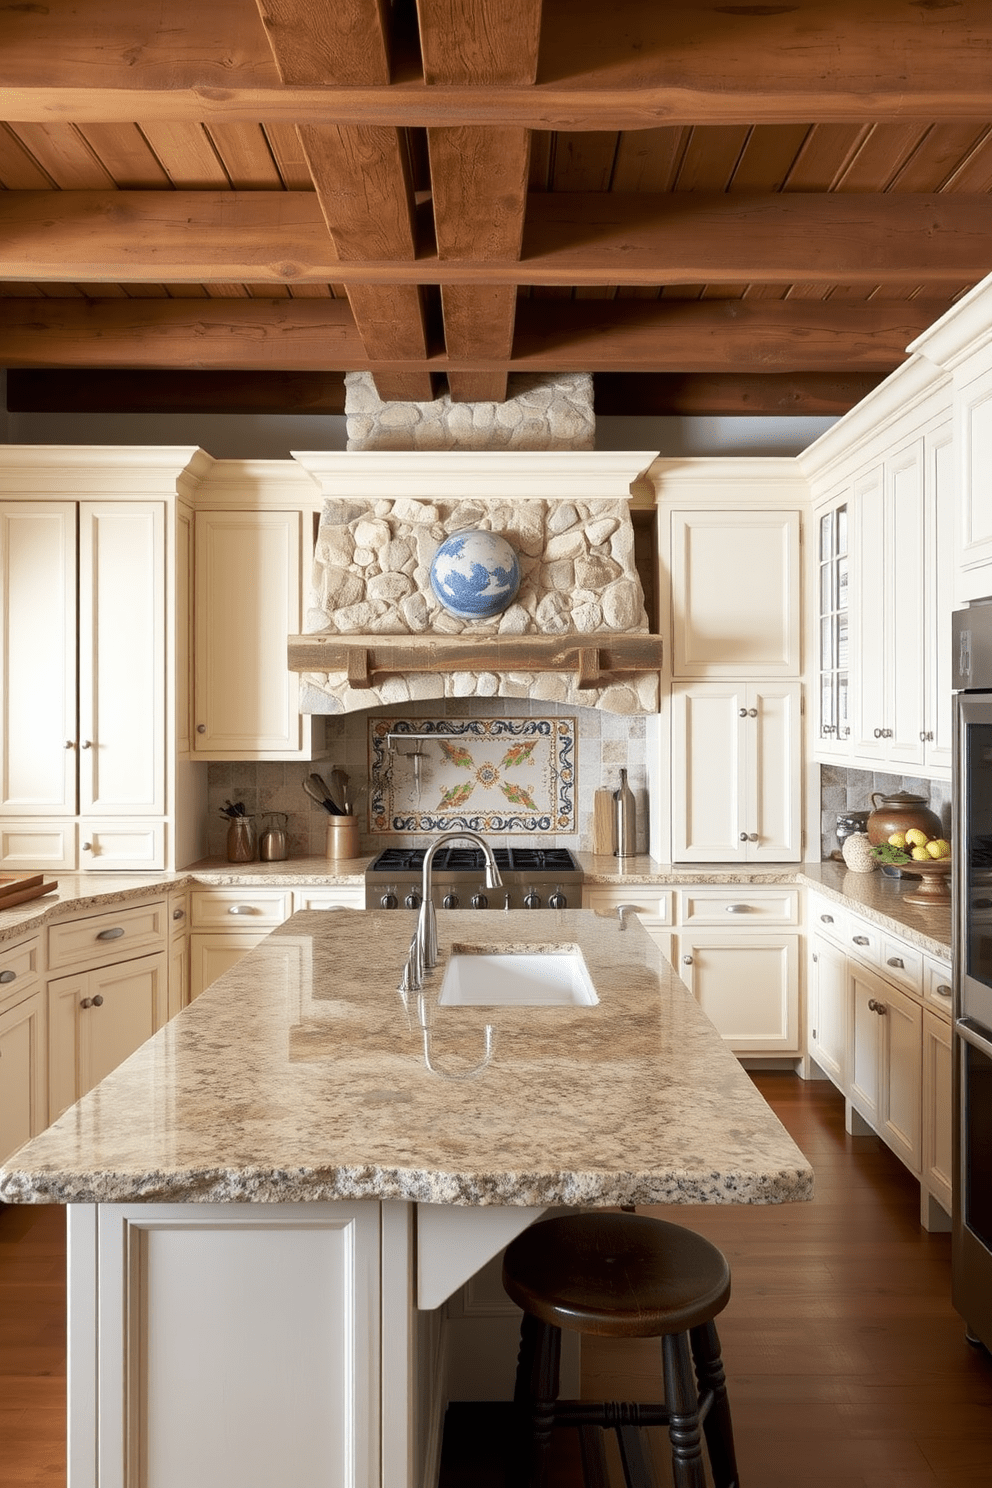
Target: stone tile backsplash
{"points": [[604, 743], [851, 790]]}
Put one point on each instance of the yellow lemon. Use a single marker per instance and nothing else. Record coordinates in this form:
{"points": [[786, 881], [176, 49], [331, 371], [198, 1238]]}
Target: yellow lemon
{"points": [[920, 854], [916, 838], [938, 848], [898, 839]]}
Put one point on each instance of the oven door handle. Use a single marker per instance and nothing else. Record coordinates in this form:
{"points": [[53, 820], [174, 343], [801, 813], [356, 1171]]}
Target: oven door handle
{"points": [[973, 1033]]}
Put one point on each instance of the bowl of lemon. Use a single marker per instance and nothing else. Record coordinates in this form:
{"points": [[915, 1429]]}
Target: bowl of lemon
{"points": [[917, 852]]}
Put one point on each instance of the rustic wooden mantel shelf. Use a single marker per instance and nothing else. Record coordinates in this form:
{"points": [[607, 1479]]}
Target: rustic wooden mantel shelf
{"points": [[595, 660]]}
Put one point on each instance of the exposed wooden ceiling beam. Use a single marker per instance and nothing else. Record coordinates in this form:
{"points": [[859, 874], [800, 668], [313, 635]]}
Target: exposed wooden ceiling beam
{"points": [[729, 393], [317, 44], [280, 237], [463, 41], [104, 390], [601, 67], [360, 173], [599, 335]]}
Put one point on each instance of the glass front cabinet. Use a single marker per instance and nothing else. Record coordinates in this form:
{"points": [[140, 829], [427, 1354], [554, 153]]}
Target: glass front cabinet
{"points": [[834, 721]]}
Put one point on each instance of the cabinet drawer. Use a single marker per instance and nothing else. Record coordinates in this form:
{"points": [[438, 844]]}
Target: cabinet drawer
{"points": [[902, 964], [346, 896], [827, 918], [937, 985], [117, 935], [864, 941], [239, 909], [20, 967], [738, 905], [643, 899]]}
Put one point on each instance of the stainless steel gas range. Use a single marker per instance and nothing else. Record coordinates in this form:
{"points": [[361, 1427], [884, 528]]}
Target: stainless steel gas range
{"points": [[533, 878]]}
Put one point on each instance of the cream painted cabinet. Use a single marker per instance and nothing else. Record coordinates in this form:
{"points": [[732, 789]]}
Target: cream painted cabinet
{"points": [[248, 571], [747, 985], [886, 1071], [178, 912], [735, 576], [737, 772], [827, 1015], [97, 1018], [23, 1045], [227, 923], [938, 1165]]}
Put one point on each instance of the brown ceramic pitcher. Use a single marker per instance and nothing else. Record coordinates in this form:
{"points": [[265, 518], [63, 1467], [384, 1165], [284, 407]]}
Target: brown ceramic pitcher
{"points": [[899, 812]]}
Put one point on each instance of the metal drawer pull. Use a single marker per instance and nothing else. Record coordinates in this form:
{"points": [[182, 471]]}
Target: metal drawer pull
{"points": [[743, 836], [981, 903], [244, 909], [896, 961], [827, 919], [178, 914], [623, 910], [942, 989], [8, 976], [686, 960], [96, 1001], [861, 940], [876, 1007], [738, 909], [742, 713], [113, 934], [752, 712], [87, 743]]}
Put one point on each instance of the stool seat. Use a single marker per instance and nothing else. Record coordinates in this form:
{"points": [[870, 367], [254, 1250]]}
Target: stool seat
{"points": [[619, 1275]]}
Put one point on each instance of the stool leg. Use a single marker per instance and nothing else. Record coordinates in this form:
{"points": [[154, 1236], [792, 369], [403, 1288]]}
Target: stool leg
{"points": [[680, 1397], [534, 1396], [718, 1428]]}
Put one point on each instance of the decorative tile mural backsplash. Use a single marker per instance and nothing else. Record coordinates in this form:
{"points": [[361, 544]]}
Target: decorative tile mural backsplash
{"points": [[507, 775]]}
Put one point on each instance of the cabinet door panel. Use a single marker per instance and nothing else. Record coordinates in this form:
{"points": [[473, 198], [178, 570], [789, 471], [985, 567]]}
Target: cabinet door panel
{"points": [[132, 994], [735, 593], [828, 1010], [904, 601], [122, 658], [708, 784], [902, 1077], [212, 955], [864, 1072], [247, 601], [868, 616], [940, 596], [748, 988], [937, 1159], [23, 1085], [774, 745], [38, 658]]}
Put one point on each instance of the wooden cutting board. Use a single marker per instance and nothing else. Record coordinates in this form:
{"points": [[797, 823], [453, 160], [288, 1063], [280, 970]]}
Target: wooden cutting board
{"points": [[22, 895], [14, 883], [603, 841]]}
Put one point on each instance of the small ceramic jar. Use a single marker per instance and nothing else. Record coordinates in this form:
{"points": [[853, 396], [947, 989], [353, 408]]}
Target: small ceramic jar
{"points": [[857, 853]]}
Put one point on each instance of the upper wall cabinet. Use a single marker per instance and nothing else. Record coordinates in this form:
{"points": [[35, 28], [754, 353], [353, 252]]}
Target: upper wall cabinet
{"points": [[248, 575], [884, 696], [735, 576]]}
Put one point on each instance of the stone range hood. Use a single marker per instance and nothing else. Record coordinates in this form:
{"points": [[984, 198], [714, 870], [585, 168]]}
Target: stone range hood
{"points": [[577, 633]]}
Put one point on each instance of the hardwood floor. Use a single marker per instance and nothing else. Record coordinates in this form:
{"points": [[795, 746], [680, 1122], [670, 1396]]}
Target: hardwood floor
{"points": [[847, 1364]]}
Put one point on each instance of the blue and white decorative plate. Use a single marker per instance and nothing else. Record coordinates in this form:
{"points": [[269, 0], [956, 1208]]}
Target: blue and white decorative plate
{"points": [[475, 575]]}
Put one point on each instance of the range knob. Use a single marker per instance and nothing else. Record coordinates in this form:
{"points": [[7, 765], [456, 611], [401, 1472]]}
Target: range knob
{"points": [[413, 900], [388, 900], [532, 899], [479, 901], [450, 900], [558, 900]]}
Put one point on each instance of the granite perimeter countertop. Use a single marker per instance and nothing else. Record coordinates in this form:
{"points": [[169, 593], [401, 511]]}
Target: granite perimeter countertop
{"points": [[302, 1073]]}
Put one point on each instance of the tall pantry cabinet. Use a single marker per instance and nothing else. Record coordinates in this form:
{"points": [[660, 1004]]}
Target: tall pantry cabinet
{"points": [[94, 658], [731, 533]]}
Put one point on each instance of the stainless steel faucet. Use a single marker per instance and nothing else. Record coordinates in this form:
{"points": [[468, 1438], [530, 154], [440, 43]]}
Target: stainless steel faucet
{"points": [[427, 923]]}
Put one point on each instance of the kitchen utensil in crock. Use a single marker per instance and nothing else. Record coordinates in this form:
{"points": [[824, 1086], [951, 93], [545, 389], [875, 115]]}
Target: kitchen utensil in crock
{"points": [[317, 791], [897, 813], [272, 843]]}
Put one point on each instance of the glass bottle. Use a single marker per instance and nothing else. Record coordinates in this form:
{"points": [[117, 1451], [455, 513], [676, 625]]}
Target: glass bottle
{"points": [[625, 819]]}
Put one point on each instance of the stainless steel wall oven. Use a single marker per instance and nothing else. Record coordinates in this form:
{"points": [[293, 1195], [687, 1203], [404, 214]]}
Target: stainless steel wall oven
{"points": [[972, 980]]}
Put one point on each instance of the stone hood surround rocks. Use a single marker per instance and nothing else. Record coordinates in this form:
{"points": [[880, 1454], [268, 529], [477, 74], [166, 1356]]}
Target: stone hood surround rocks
{"points": [[567, 515]]}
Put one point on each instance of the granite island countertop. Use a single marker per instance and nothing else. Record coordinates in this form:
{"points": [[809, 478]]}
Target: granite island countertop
{"points": [[301, 1074]]}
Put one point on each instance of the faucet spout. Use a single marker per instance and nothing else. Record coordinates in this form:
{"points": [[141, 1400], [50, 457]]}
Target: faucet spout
{"points": [[427, 923]]}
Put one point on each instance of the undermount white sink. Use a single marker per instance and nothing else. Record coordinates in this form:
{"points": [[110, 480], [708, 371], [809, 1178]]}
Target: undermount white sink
{"points": [[490, 976]]}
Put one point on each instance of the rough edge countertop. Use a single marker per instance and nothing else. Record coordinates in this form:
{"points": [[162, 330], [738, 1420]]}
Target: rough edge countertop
{"points": [[301, 1074]]}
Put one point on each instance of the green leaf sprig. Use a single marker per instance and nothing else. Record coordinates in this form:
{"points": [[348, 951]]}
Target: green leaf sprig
{"points": [[886, 853]]}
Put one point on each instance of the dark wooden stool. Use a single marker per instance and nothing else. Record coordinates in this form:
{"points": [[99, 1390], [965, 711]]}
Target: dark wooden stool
{"points": [[625, 1276]]}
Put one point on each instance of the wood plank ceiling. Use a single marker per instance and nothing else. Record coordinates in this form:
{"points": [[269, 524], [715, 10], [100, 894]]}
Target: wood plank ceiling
{"points": [[714, 208]]}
